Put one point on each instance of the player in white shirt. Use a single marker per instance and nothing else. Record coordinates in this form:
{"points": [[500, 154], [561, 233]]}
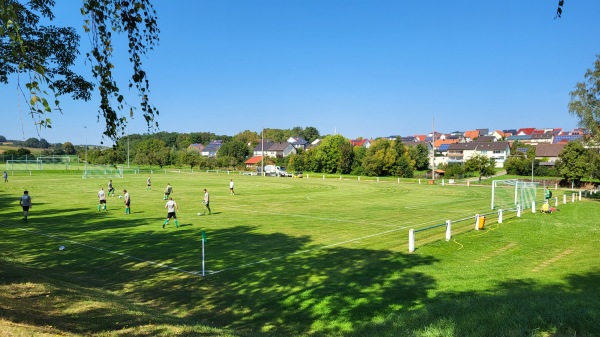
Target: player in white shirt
{"points": [[102, 199], [171, 207]]}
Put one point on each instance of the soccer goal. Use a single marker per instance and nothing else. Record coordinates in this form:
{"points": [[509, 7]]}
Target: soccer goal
{"points": [[23, 165], [506, 194], [54, 162], [100, 171]]}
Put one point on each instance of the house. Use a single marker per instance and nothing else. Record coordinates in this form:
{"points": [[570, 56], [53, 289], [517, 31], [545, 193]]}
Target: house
{"points": [[440, 142], [420, 138], [548, 153], [361, 143], [566, 138], [486, 139], [499, 135], [483, 132], [471, 135], [253, 162], [539, 138], [298, 142], [212, 148], [461, 152], [281, 150], [262, 147], [525, 131], [274, 150], [196, 147]]}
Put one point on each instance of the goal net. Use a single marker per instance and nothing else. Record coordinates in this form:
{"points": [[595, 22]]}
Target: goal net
{"points": [[507, 194], [102, 171], [54, 162], [21, 165]]}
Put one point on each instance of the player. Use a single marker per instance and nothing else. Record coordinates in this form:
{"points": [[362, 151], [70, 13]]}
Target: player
{"points": [[148, 184], [171, 207], [127, 202], [5, 176], [111, 189], [206, 202], [168, 191], [231, 192], [547, 195], [102, 199], [25, 202]]}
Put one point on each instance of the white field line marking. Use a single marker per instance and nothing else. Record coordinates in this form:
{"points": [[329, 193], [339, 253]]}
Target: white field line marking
{"points": [[309, 250], [158, 264]]}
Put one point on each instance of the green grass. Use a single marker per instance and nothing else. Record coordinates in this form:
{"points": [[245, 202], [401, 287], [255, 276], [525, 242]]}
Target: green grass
{"points": [[290, 257]]}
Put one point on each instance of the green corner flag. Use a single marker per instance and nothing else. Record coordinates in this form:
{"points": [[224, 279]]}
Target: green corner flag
{"points": [[204, 236]]}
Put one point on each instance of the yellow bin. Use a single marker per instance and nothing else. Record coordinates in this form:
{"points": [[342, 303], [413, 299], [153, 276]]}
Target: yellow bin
{"points": [[481, 223]]}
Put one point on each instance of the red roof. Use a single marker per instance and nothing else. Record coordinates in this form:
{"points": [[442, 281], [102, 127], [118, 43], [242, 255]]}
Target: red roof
{"points": [[526, 131], [254, 160]]}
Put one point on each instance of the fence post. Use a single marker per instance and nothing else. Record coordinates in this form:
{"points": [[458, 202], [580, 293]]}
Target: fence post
{"points": [[579, 195], [398, 180], [419, 181], [555, 201], [468, 183], [442, 182], [323, 177], [377, 179], [572, 197], [411, 240], [533, 207], [448, 230], [564, 198], [476, 222], [500, 215], [518, 211]]}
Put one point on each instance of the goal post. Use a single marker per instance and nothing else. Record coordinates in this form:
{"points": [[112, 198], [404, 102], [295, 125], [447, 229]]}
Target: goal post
{"points": [[102, 171], [507, 194]]}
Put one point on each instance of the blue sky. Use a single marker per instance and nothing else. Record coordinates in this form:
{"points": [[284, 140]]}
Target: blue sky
{"points": [[361, 68]]}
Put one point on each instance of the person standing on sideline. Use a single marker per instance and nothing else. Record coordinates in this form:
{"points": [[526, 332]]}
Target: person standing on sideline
{"points": [[171, 207], [111, 189], [231, 187], [168, 191], [102, 199], [5, 176], [25, 202], [148, 184], [206, 203], [127, 202], [547, 195]]}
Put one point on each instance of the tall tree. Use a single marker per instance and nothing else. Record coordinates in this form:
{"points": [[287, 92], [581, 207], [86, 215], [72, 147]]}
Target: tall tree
{"points": [[575, 162], [235, 149], [481, 164], [152, 152], [585, 100], [44, 55]]}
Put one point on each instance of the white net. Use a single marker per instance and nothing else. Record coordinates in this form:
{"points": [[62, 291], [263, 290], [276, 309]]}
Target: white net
{"points": [[507, 194], [102, 171]]}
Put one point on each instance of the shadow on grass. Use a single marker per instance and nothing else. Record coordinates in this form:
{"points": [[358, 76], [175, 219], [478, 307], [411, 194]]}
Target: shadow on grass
{"points": [[517, 308]]}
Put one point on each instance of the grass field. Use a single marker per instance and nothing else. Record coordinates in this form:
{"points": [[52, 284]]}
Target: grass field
{"points": [[291, 257]]}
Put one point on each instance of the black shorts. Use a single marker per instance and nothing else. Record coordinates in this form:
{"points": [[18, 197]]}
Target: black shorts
{"points": [[171, 215], [127, 203], [103, 201], [26, 208]]}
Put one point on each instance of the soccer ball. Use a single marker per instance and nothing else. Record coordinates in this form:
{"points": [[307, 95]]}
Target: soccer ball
{"points": [[120, 196], [198, 213], [61, 248]]}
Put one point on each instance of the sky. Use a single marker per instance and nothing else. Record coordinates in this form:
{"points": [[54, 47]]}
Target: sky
{"points": [[358, 68]]}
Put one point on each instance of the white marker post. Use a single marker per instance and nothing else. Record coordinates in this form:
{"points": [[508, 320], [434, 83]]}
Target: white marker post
{"points": [[203, 242]]}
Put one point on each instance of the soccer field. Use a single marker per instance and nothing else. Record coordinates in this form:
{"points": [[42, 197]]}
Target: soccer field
{"points": [[283, 255]]}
